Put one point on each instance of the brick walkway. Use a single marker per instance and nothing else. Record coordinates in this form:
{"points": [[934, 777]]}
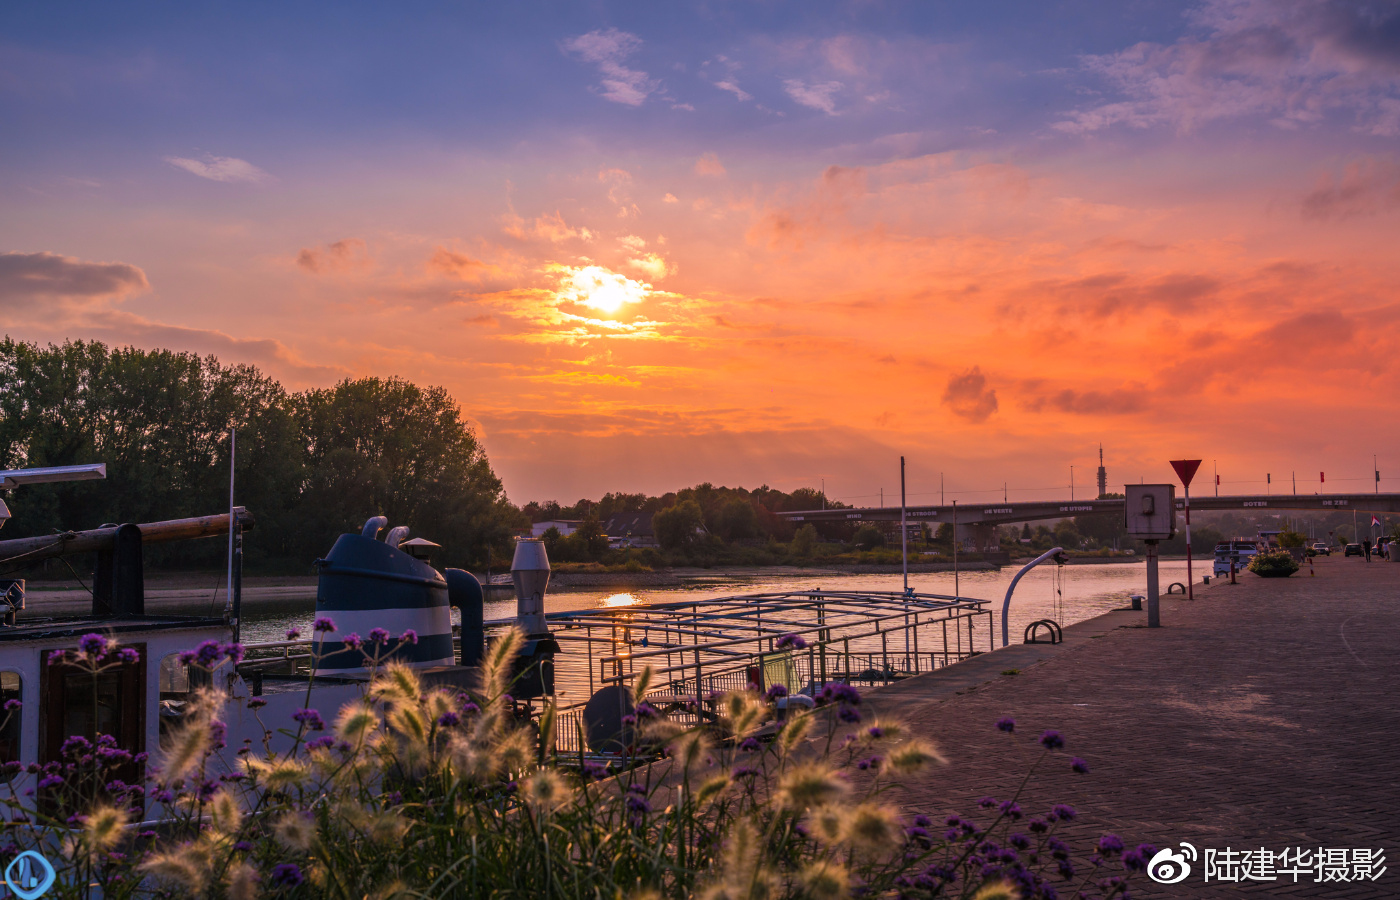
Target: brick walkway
{"points": [[1263, 714]]}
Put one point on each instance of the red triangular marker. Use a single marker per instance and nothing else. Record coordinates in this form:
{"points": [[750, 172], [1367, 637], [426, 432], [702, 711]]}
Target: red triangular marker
{"points": [[1186, 469]]}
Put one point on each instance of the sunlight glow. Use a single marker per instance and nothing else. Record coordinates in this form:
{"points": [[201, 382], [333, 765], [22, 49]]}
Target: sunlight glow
{"points": [[596, 287], [620, 600]]}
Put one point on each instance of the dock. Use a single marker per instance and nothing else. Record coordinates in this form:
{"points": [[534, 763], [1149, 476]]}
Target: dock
{"points": [[1262, 715]]}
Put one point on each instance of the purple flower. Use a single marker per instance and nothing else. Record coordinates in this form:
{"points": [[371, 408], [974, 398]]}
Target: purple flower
{"points": [[849, 715], [257, 703], [792, 640], [242, 846], [845, 693], [57, 657], [749, 744], [92, 645], [987, 802], [50, 781], [875, 731], [1051, 740], [1061, 811], [353, 641], [594, 771], [293, 633], [309, 718], [379, 635], [448, 719], [321, 743], [234, 653], [1110, 844], [923, 821], [1038, 825], [744, 771], [638, 805], [74, 744], [871, 763], [129, 655], [324, 624], [12, 705], [1079, 765], [776, 691], [645, 711], [286, 875], [1007, 724], [409, 637], [1011, 810]]}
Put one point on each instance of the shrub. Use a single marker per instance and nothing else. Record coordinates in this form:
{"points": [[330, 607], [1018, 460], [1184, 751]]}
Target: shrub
{"points": [[868, 537], [1273, 564], [414, 791]]}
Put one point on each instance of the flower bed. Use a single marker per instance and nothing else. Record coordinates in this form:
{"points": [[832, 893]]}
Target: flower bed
{"points": [[428, 792]]}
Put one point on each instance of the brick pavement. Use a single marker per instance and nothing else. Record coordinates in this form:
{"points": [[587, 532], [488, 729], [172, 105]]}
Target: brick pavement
{"points": [[1264, 714]]}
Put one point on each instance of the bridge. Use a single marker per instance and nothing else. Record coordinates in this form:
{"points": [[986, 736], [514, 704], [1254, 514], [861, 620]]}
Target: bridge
{"points": [[1008, 513]]}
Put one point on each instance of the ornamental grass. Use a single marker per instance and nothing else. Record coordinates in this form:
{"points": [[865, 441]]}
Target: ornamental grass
{"points": [[414, 791]]}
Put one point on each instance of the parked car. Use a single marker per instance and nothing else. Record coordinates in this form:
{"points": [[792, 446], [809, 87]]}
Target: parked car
{"points": [[1322, 549], [1353, 550]]}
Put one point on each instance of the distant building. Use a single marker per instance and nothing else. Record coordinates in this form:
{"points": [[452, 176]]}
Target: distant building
{"points": [[629, 529], [566, 527]]}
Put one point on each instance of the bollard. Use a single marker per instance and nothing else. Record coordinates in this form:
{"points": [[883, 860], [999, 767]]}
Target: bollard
{"points": [[1232, 571], [1137, 602]]}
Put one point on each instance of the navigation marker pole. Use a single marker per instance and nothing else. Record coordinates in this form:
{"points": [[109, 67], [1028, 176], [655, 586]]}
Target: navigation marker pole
{"points": [[903, 527], [1186, 470], [228, 591]]}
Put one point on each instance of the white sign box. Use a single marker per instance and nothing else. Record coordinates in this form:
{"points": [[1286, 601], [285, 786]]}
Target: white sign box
{"points": [[1149, 511]]}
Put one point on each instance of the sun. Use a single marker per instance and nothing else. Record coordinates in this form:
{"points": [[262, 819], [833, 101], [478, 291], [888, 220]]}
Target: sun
{"points": [[600, 289]]}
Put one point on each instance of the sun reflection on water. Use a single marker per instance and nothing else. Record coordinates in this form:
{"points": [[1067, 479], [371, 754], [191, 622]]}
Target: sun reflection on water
{"points": [[619, 600]]}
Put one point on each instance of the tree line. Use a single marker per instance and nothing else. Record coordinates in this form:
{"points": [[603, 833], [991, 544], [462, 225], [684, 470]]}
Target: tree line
{"points": [[310, 464]]}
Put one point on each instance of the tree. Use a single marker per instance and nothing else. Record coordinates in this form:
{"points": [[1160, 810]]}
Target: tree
{"points": [[678, 527], [1026, 532], [591, 540], [868, 537], [804, 540], [734, 518]]}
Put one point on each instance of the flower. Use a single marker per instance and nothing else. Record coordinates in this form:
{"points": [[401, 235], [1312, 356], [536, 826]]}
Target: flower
{"points": [[323, 624], [293, 633], [1051, 740], [257, 703], [12, 705], [749, 744], [776, 691], [1110, 844], [353, 641], [379, 635], [57, 657], [129, 655], [849, 715], [92, 645], [792, 640], [409, 637], [1079, 765], [875, 731], [1061, 811], [286, 875], [1007, 724], [448, 719], [309, 718]]}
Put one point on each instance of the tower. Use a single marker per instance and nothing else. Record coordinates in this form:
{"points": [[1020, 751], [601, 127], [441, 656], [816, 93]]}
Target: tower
{"points": [[1103, 474]]}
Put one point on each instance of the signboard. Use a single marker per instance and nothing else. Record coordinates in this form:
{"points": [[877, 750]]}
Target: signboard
{"points": [[1149, 511]]}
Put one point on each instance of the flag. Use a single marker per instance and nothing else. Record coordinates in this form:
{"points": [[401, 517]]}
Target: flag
{"points": [[1375, 523], [1322, 476]]}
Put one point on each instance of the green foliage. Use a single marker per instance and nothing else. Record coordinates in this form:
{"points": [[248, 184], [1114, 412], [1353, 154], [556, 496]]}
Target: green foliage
{"points": [[1291, 538], [804, 540], [868, 537], [310, 465], [1273, 564], [678, 527]]}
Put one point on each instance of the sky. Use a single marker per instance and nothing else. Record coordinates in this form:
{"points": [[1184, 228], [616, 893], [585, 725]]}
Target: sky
{"points": [[648, 245]]}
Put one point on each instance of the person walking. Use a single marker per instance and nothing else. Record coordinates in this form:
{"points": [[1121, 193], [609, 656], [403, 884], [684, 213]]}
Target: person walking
{"points": [[1366, 548]]}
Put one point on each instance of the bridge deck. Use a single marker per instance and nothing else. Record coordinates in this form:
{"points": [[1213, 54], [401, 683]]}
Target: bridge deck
{"points": [[1006, 513]]}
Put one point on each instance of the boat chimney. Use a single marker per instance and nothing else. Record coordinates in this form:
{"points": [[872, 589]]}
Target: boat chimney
{"points": [[530, 572]]}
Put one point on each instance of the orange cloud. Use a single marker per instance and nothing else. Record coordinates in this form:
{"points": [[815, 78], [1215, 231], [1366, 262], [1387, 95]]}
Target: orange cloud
{"points": [[348, 254]]}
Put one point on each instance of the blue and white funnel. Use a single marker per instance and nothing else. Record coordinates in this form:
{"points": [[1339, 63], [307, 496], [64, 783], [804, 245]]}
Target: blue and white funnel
{"points": [[366, 584]]}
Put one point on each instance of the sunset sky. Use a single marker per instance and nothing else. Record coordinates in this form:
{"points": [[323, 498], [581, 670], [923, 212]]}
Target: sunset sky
{"points": [[651, 244]]}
